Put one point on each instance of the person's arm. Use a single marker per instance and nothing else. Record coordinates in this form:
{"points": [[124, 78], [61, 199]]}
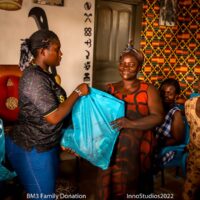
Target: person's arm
{"points": [[64, 108], [177, 130], [155, 117]]}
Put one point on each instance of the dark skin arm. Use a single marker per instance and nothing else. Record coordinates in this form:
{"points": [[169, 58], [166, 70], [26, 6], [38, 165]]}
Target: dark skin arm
{"points": [[155, 117], [177, 130], [64, 108], [43, 60]]}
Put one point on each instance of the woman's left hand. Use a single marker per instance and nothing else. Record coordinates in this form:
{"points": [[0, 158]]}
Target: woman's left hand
{"points": [[120, 123], [70, 151]]}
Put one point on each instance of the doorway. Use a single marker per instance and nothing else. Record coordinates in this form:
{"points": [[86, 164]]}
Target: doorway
{"points": [[117, 22]]}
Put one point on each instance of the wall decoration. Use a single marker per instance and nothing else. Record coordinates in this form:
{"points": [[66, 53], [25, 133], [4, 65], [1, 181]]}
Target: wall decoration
{"points": [[167, 12], [40, 17], [172, 51], [10, 4], [69, 22], [88, 17], [50, 2]]}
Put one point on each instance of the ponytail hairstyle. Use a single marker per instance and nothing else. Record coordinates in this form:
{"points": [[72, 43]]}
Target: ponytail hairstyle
{"points": [[134, 52], [29, 47]]}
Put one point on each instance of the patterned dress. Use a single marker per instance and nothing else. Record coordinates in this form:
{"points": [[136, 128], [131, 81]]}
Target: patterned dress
{"points": [[132, 154], [192, 182]]}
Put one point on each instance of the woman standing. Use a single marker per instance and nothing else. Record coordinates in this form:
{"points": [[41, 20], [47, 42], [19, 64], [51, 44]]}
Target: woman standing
{"points": [[33, 145], [129, 172]]}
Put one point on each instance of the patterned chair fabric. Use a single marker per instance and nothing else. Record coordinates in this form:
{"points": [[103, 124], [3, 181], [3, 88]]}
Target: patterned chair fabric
{"points": [[9, 81]]}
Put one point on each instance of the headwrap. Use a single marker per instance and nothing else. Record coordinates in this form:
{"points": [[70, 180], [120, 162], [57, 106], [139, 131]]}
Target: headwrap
{"points": [[129, 47], [25, 54], [137, 53]]}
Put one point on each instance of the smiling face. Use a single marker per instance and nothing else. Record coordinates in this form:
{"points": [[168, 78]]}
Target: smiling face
{"points": [[128, 67]]}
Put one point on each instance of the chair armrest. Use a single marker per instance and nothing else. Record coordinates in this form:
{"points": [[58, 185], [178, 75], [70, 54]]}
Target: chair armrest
{"points": [[172, 148]]}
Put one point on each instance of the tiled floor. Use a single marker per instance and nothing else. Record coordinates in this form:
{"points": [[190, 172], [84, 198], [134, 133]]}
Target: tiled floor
{"points": [[83, 183]]}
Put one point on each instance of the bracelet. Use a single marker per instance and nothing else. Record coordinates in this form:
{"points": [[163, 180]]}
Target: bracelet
{"points": [[78, 92]]}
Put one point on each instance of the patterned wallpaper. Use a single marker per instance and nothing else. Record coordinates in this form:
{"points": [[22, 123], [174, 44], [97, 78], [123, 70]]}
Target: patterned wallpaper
{"points": [[172, 51]]}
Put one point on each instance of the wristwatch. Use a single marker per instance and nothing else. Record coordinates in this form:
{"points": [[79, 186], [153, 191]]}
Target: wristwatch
{"points": [[78, 92]]}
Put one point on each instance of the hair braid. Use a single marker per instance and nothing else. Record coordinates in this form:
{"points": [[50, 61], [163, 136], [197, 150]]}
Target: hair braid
{"points": [[136, 53], [25, 54], [29, 47]]}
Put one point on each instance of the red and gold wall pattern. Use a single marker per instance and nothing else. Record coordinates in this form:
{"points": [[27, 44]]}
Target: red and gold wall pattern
{"points": [[172, 51]]}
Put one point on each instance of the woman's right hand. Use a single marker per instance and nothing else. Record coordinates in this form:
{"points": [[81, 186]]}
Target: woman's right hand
{"points": [[121, 123], [65, 108], [83, 88]]}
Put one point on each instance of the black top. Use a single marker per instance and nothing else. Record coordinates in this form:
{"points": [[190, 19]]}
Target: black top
{"points": [[39, 95]]}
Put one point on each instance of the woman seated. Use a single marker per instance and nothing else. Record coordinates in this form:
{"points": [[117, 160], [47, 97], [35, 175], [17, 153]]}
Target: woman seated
{"points": [[197, 93], [191, 189], [171, 132]]}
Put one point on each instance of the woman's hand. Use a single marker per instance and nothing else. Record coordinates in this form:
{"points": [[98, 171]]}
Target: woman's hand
{"points": [[82, 89], [70, 151], [121, 123]]}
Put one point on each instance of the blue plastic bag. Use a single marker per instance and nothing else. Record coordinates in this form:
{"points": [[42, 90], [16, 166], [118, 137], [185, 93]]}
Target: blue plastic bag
{"points": [[91, 135], [5, 174]]}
